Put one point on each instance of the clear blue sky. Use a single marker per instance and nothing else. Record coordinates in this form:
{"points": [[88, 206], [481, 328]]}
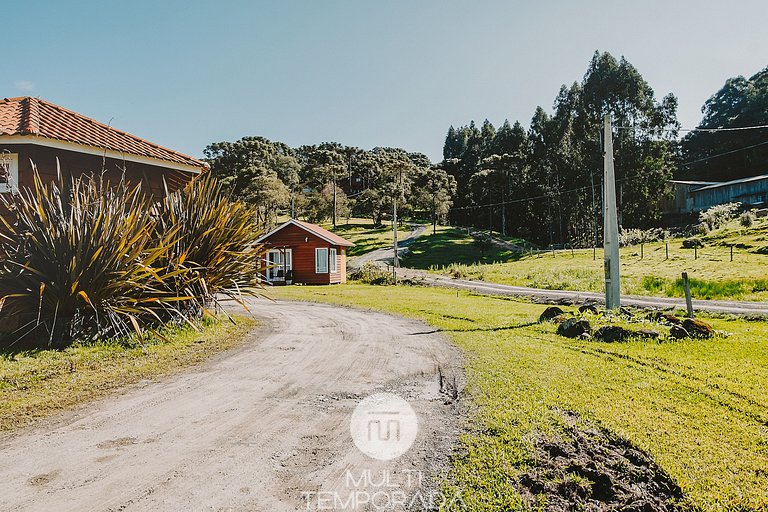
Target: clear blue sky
{"points": [[361, 72]]}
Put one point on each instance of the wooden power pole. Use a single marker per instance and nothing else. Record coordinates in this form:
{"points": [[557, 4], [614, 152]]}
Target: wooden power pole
{"points": [[610, 223]]}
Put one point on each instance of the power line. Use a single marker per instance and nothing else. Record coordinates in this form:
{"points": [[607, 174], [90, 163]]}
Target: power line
{"points": [[726, 153], [708, 130]]}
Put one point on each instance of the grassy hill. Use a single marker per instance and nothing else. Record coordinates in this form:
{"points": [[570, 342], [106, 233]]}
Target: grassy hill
{"points": [[646, 271]]}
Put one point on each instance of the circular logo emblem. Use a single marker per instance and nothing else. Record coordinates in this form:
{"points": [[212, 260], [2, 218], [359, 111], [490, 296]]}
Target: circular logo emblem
{"points": [[384, 426]]}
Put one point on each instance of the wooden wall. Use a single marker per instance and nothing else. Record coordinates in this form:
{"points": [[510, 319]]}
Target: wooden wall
{"points": [[75, 164], [303, 243]]}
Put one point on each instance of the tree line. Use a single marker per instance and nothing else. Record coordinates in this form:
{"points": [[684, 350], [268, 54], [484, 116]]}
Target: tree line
{"points": [[541, 181], [330, 181]]}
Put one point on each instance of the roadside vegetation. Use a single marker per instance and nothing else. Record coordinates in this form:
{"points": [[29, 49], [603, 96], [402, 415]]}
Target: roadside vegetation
{"points": [[645, 270], [86, 259], [37, 382], [698, 407]]}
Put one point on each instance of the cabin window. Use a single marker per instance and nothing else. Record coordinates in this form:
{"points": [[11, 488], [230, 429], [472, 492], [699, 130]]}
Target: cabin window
{"points": [[321, 260], [332, 260], [9, 172]]}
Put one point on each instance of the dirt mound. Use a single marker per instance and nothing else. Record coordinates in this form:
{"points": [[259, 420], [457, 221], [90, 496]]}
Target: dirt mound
{"points": [[592, 469]]}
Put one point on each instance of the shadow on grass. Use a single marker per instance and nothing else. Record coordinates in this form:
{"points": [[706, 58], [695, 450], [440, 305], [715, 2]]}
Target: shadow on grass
{"points": [[479, 329]]}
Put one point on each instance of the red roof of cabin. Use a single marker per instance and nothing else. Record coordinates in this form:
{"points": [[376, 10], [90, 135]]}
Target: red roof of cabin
{"points": [[33, 116], [316, 230]]}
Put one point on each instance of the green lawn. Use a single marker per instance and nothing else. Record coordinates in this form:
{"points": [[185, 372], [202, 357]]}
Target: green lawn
{"points": [[699, 407], [36, 383], [365, 235], [713, 275]]}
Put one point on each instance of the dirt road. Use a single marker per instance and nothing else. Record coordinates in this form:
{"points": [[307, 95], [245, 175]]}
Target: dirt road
{"points": [[263, 428], [384, 256]]}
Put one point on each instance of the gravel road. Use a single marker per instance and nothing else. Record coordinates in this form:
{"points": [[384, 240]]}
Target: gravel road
{"points": [[384, 256], [260, 428]]}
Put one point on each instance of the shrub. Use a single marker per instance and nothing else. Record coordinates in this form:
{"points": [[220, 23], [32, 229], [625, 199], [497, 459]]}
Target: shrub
{"points": [[633, 236], [371, 273], [718, 215], [89, 258], [747, 219], [215, 241]]}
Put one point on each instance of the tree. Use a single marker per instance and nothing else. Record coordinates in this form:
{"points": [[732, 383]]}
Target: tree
{"points": [[732, 154], [433, 191], [238, 164]]}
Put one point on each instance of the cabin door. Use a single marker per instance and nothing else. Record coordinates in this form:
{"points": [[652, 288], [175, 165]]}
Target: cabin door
{"points": [[279, 262]]}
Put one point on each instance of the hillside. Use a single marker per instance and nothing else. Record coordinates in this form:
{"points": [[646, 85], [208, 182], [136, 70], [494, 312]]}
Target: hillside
{"points": [[645, 270]]}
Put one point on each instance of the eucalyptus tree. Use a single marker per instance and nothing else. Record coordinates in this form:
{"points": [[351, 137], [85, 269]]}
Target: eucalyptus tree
{"points": [[730, 155]]}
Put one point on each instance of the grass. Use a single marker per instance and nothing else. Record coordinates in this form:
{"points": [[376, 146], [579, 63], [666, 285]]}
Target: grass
{"points": [[700, 408], [713, 275], [36, 383], [452, 246], [365, 235]]}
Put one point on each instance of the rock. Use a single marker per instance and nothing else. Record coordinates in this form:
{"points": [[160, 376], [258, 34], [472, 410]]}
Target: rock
{"points": [[690, 243], [626, 312], [550, 313], [678, 332], [574, 327], [611, 333], [588, 308], [585, 336], [649, 334], [663, 318], [697, 328], [561, 318]]}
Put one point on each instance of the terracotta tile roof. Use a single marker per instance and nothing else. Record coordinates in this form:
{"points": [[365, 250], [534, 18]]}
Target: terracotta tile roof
{"points": [[33, 116]]}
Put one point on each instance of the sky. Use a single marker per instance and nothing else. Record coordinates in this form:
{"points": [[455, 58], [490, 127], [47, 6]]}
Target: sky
{"points": [[365, 73]]}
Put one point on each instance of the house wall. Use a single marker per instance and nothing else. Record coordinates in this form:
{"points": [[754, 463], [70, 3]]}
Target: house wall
{"points": [[74, 164], [303, 245]]}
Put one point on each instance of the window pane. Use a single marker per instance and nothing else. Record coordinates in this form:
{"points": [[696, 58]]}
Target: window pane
{"points": [[321, 261]]}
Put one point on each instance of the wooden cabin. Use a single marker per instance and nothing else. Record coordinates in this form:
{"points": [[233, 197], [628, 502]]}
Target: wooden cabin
{"points": [[54, 139], [300, 252]]}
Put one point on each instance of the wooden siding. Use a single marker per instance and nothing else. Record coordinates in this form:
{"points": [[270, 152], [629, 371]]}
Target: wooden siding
{"points": [[72, 163], [303, 244]]}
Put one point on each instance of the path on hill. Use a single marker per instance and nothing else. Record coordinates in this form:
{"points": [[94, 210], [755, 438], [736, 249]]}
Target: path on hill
{"points": [[253, 429], [385, 254], [553, 296]]}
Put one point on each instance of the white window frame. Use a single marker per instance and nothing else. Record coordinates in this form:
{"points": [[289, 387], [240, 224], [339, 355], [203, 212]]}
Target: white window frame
{"points": [[12, 160], [333, 265], [283, 261], [321, 260]]}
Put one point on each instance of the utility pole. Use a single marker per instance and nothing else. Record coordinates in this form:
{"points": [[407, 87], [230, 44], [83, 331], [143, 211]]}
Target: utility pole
{"points": [[610, 223], [334, 196], [395, 260]]}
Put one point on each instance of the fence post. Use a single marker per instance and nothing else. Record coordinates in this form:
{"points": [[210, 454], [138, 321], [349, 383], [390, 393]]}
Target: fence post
{"points": [[667, 249], [688, 301], [731, 252], [641, 250], [695, 252], [572, 254]]}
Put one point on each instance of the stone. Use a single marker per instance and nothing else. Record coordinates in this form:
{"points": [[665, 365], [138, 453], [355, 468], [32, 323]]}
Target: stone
{"points": [[690, 243], [678, 332], [550, 313], [588, 308], [585, 336], [697, 328], [649, 334], [574, 327], [612, 333]]}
